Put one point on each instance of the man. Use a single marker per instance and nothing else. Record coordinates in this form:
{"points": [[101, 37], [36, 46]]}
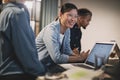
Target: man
{"points": [[0, 6], [84, 17], [0, 2], [18, 53]]}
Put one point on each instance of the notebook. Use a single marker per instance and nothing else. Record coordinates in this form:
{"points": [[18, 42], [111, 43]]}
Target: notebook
{"points": [[98, 56]]}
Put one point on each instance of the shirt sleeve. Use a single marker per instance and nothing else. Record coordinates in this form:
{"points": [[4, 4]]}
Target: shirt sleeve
{"points": [[23, 41], [52, 44], [67, 47]]}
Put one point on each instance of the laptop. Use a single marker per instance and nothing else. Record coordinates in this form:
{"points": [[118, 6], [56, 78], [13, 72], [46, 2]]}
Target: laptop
{"points": [[98, 56]]}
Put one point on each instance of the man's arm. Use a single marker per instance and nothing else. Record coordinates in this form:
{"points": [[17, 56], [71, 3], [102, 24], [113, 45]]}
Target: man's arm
{"points": [[23, 41]]}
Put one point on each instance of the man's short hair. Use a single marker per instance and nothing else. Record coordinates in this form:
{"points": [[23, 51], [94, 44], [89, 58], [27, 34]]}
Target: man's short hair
{"points": [[84, 12]]}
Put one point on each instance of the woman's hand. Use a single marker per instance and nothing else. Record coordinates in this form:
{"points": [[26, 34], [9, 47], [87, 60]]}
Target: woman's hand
{"points": [[78, 57]]}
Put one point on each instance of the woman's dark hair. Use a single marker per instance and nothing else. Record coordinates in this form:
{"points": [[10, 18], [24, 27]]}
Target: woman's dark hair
{"points": [[84, 12], [67, 7]]}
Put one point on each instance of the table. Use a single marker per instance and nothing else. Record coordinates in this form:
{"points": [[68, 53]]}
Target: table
{"points": [[79, 73]]}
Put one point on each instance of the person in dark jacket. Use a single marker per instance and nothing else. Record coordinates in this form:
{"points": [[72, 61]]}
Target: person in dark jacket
{"points": [[0, 6], [84, 17], [18, 53], [0, 2]]}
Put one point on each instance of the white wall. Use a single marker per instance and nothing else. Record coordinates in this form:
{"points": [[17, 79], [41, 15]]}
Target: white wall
{"points": [[105, 23]]}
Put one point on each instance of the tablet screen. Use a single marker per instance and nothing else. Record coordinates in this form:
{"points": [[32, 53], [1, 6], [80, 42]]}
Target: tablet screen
{"points": [[99, 54]]}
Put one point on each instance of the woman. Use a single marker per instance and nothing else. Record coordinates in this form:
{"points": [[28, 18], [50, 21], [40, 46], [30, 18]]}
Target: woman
{"points": [[53, 42]]}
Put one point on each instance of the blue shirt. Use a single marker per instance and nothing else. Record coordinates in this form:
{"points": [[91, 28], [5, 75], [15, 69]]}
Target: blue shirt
{"points": [[49, 46], [19, 42]]}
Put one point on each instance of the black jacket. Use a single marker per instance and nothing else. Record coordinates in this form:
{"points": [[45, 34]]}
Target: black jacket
{"points": [[75, 37]]}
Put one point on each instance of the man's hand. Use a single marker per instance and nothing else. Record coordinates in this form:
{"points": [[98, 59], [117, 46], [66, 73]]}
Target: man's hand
{"points": [[84, 55], [76, 52]]}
